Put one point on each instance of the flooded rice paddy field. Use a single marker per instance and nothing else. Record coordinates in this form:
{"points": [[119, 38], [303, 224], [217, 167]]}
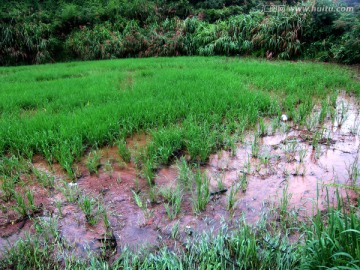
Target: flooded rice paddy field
{"points": [[285, 166]]}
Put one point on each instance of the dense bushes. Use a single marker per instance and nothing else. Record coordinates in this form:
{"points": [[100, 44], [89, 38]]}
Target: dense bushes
{"points": [[46, 31]]}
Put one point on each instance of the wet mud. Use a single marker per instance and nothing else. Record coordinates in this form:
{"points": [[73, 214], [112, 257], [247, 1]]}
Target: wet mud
{"points": [[289, 163]]}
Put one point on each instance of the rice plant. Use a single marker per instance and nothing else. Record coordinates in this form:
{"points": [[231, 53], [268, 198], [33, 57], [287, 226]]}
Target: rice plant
{"points": [[91, 209], [142, 204], [25, 204], [342, 114], [173, 203], [70, 191], [93, 162], [149, 172], [47, 181], [175, 230], [284, 203], [7, 188], [201, 194], [290, 149], [243, 182], [231, 200], [353, 171], [302, 154], [185, 174], [324, 111], [262, 129], [255, 147], [124, 151], [108, 168], [332, 239]]}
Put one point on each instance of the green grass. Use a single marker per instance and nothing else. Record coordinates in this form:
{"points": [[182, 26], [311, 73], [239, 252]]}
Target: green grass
{"points": [[190, 107], [187, 103]]}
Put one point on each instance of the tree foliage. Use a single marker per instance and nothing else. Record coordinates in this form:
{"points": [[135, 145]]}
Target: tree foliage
{"points": [[40, 31]]}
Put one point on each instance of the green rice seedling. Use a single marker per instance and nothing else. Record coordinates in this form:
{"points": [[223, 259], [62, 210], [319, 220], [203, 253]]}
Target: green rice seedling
{"points": [[23, 208], [295, 116], [354, 130], [153, 194], [31, 252], [312, 122], [353, 171], [154, 104], [91, 208], [255, 147], [230, 144], [240, 132], [175, 230], [298, 170], [138, 160], [48, 228], [142, 205], [231, 199], [342, 114], [332, 112], [262, 129], [333, 99], [201, 195], [315, 140], [243, 182], [20, 206], [58, 204], [148, 171], [317, 151], [30, 199], [265, 158], [124, 151], [13, 167], [247, 165], [275, 123], [166, 193], [185, 175], [304, 110], [302, 154], [173, 201], [137, 184], [284, 127], [106, 220], [70, 191], [332, 238], [284, 203], [7, 188], [47, 181], [290, 149], [325, 136], [324, 111], [93, 162], [108, 168], [138, 200], [219, 181]]}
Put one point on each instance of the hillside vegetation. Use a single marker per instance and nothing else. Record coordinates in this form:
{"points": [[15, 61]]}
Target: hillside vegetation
{"points": [[34, 31]]}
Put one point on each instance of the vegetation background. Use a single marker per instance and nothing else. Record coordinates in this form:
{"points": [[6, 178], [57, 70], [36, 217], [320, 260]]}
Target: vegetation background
{"points": [[43, 31]]}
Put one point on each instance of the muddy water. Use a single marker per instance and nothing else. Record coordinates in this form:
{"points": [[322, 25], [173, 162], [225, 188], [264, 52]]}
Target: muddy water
{"points": [[287, 161]]}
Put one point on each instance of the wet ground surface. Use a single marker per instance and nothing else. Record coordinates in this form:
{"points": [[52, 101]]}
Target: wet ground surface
{"points": [[308, 163]]}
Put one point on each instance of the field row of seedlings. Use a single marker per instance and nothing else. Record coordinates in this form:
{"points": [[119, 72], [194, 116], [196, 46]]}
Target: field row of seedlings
{"points": [[188, 167]]}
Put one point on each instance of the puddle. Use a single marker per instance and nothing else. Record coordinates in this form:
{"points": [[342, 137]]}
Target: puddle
{"points": [[286, 160]]}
